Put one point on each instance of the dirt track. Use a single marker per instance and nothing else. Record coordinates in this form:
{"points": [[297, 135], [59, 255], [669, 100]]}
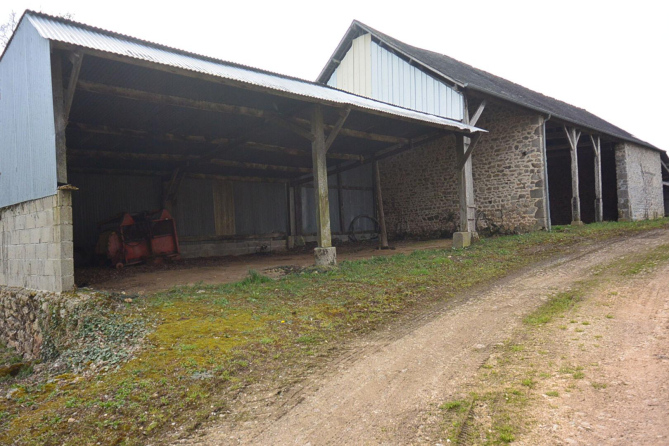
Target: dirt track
{"points": [[378, 393]]}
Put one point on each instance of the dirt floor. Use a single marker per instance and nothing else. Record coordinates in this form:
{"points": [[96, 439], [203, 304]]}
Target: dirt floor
{"points": [[382, 391], [214, 270]]}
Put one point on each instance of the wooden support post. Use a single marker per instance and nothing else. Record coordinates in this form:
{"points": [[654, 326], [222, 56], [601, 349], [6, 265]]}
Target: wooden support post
{"points": [[297, 201], [383, 239], [466, 190], [320, 179], [60, 120], [573, 138], [597, 171], [340, 203]]}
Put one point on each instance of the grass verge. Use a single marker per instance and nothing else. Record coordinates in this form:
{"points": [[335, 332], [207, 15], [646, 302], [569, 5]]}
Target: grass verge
{"points": [[206, 344]]}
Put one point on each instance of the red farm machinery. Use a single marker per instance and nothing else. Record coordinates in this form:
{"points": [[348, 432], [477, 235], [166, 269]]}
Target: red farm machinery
{"points": [[127, 239]]}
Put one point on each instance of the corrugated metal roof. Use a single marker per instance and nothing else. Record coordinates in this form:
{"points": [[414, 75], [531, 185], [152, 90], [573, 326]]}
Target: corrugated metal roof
{"points": [[69, 32]]}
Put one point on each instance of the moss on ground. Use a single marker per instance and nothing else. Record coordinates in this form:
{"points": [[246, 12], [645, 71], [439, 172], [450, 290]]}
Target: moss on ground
{"points": [[206, 343]]}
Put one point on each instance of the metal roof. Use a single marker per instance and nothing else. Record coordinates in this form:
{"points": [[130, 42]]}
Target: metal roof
{"points": [[472, 78], [77, 34]]}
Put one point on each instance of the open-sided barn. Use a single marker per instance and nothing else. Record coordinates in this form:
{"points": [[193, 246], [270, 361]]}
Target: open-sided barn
{"points": [[95, 123]]}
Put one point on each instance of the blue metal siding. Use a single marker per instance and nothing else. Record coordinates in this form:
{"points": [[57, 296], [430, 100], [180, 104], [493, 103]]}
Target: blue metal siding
{"points": [[27, 135]]}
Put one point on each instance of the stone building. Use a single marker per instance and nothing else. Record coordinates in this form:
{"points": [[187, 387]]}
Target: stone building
{"points": [[95, 123], [542, 161]]}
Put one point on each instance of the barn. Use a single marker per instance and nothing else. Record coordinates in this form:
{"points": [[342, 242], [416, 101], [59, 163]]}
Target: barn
{"points": [[95, 123], [541, 162]]}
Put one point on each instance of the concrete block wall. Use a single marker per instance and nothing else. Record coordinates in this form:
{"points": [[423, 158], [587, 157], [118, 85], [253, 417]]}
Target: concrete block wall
{"points": [[36, 249], [508, 168], [639, 182]]}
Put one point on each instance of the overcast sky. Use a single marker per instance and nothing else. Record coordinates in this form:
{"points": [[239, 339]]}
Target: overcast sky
{"points": [[609, 57]]}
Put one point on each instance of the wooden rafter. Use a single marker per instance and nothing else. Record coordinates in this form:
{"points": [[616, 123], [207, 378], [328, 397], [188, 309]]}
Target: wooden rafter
{"points": [[76, 59], [165, 173], [337, 127], [379, 155], [78, 153], [474, 118], [200, 139], [217, 107]]}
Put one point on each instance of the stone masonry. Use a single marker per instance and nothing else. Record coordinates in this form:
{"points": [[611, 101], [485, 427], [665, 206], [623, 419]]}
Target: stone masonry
{"points": [[639, 182], [36, 244], [420, 187], [420, 190], [508, 169]]}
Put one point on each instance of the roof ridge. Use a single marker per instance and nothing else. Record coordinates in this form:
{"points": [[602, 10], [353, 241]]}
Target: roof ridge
{"points": [[491, 78], [165, 47]]}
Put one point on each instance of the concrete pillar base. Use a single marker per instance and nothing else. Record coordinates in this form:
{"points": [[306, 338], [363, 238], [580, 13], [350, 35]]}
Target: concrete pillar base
{"points": [[325, 256], [577, 223], [464, 239]]}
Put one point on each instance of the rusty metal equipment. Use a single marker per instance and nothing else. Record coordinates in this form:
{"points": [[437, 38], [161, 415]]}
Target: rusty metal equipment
{"points": [[127, 239]]}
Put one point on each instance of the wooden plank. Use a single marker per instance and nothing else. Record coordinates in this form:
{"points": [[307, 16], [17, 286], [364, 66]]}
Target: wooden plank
{"points": [[78, 153], [466, 193], [474, 118], [340, 201], [295, 124], [336, 128], [470, 148], [296, 128], [200, 139], [168, 173], [383, 239], [76, 59], [320, 179], [573, 139], [597, 172], [60, 121], [224, 207]]}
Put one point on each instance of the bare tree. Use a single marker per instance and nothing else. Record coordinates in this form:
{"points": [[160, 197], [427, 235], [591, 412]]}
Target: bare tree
{"points": [[7, 28]]}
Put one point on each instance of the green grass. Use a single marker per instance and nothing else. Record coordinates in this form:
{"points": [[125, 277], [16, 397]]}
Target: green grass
{"points": [[207, 342], [557, 305]]}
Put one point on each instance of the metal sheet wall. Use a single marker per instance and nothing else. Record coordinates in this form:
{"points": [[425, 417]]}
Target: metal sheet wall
{"points": [[102, 196], [27, 139], [355, 202], [260, 208], [396, 82], [194, 211], [372, 71]]}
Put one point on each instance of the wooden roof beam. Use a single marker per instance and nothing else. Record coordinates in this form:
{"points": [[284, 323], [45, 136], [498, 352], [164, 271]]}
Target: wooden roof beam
{"points": [[200, 139], [177, 101]]}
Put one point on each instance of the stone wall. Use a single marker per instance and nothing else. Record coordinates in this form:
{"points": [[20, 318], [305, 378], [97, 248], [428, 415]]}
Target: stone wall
{"points": [[36, 244], [639, 182], [27, 318], [420, 190], [508, 169], [420, 186]]}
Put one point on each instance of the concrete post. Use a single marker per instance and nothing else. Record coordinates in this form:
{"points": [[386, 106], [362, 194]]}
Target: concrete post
{"points": [[324, 253]]}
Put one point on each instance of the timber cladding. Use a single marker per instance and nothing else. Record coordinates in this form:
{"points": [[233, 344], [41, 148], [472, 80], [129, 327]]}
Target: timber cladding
{"points": [[420, 186]]}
